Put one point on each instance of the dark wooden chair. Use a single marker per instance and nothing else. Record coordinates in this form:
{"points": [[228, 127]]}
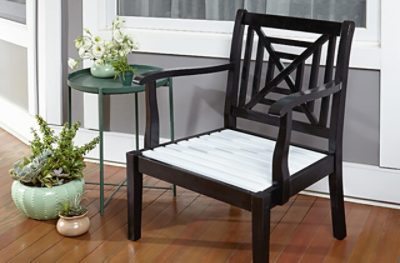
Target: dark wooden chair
{"points": [[248, 170]]}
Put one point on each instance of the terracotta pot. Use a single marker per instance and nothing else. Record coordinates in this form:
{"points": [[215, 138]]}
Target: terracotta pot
{"points": [[73, 226]]}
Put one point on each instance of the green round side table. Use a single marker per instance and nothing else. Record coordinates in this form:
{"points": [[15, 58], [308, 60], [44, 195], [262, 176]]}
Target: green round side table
{"points": [[83, 81]]}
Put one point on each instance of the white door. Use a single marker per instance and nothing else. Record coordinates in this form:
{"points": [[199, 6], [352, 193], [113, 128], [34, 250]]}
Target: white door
{"points": [[35, 27]]}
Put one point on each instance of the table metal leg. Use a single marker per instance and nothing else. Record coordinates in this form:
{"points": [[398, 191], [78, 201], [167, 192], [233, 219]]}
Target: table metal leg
{"points": [[69, 106], [171, 118], [101, 151], [136, 121]]}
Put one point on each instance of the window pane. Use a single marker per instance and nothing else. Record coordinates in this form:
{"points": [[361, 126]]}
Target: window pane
{"points": [[337, 10], [14, 10], [193, 9]]}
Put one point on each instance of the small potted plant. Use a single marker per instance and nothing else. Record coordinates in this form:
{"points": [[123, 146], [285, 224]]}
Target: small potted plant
{"points": [[73, 220], [123, 71], [52, 174], [103, 52]]}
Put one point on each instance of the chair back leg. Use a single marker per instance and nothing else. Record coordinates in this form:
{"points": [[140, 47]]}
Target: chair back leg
{"points": [[135, 192], [260, 213], [337, 202]]}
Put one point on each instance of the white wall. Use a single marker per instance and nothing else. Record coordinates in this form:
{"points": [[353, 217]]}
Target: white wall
{"points": [[13, 74]]}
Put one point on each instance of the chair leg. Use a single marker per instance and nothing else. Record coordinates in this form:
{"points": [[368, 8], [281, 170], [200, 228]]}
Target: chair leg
{"points": [[337, 203], [260, 228], [135, 191]]}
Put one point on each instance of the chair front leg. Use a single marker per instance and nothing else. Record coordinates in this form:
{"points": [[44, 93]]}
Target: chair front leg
{"points": [[337, 202], [135, 192], [260, 213]]}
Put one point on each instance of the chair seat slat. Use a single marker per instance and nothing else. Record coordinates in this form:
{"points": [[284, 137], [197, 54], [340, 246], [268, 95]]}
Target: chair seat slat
{"points": [[226, 155], [229, 164], [254, 160], [215, 156], [206, 171]]}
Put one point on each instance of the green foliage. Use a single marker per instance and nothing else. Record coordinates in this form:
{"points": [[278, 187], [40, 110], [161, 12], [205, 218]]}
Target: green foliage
{"points": [[55, 160], [121, 66], [72, 207]]}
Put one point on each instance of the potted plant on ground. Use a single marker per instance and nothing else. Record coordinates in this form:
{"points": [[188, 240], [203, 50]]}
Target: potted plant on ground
{"points": [[103, 52], [52, 174], [73, 220], [123, 71]]}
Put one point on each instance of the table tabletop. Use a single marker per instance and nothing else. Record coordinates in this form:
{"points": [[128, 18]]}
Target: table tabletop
{"points": [[83, 81]]}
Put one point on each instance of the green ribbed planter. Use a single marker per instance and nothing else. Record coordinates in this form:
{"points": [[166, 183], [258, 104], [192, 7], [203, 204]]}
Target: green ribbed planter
{"points": [[102, 71], [42, 203]]}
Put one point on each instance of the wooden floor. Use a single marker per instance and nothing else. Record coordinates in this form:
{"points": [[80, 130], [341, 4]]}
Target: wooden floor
{"points": [[191, 228]]}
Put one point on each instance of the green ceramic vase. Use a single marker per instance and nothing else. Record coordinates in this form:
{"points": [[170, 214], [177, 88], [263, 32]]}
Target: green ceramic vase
{"points": [[42, 203], [102, 71]]}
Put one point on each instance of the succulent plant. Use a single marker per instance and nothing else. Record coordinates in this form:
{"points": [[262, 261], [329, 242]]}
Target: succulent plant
{"points": [[27, 171], [55, 160], [72, 207]]}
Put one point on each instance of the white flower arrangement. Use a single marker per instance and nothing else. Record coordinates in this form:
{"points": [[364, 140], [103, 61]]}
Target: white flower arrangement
{"points": [[102, 52]]}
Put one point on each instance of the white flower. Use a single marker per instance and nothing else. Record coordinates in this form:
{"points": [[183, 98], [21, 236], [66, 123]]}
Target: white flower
{"points": [[109, 44], [118, 23], [87, 31], [93, 47], [132, 44], [99, 62], [97, 40], [79, 42], [84, 54], [87, 43], [122, 53], [127, 50], [118, 36], [72, 63], [98, 51], [81, 52]]}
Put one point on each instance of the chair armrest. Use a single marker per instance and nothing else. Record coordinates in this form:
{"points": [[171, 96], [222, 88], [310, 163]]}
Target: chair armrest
{"points": [[153, 76], [284, 105]]}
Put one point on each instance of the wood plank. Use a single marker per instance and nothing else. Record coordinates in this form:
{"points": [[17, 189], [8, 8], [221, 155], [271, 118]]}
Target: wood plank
{"points": [[204, 233], [243, 252], [322, 239], [101, 227], [188, 225], [317, 216], [153, 227], [356, 217], [388, 249], [367, 245], [39, 230], [43, 243], [280, 236]]}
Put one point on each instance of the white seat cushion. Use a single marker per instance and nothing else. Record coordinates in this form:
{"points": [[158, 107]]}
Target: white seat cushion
{"points": [[231, 157]]}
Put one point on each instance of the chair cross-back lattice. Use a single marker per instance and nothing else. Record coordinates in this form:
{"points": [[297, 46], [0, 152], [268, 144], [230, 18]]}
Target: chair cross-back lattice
{"points": [[245, 169]]}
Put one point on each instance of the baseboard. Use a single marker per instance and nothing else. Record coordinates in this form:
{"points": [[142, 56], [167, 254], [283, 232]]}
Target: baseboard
{"points": [[367, 182], [355, 200]]}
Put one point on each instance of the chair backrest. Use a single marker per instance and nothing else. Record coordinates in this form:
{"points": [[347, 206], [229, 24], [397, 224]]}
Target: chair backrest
{"points": [[285, 73]]}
